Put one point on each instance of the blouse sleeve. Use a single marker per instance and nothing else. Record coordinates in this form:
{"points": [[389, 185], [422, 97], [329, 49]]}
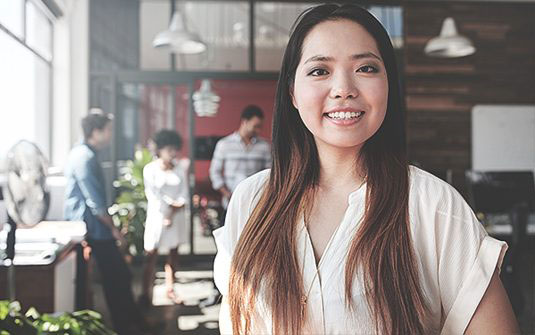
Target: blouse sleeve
{"points": [[183, 187], [151, 191], [467, 259], [226, 239]]}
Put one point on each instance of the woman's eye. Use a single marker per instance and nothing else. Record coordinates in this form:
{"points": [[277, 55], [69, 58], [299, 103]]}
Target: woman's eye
{"points": [[368, 69], [317, 72]]}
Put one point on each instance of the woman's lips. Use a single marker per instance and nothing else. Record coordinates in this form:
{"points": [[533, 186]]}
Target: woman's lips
{"points": [[344, 116]]}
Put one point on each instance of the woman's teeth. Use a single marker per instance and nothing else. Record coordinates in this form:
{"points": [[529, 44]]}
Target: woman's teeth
{"points": [[344, 115]]}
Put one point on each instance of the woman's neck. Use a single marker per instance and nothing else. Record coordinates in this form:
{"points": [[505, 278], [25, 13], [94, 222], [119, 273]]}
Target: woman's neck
{"points": [[339, 168]]}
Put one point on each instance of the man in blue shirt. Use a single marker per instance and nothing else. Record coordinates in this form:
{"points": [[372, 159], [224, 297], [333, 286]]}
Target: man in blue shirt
{"points": [[85, 200]]}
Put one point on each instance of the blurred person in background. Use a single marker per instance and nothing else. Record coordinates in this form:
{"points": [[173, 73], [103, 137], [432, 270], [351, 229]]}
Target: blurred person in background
{"points": [[85, 200], [240, 154], [166, 188], [236, 157]]}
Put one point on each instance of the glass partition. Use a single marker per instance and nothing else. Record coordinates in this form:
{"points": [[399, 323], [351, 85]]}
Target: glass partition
{"points": [[273, 21], [222, 25]]}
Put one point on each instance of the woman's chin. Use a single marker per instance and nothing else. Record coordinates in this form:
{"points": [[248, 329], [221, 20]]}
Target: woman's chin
{"points": [[341, 143]]}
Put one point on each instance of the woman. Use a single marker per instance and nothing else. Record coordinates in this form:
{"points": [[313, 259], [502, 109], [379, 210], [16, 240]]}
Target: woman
{"points": [[341, 236], [166, 189]]}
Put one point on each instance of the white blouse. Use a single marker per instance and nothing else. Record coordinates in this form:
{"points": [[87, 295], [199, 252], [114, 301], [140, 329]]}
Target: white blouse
{"points": [[456, 259], [162, 188]]}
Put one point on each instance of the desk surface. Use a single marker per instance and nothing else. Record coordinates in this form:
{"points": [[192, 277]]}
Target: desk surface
{"points": [[507, 229], [46, 242], [61, 232]]}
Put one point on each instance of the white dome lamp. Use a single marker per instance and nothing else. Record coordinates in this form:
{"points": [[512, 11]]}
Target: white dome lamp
{"points": [[178, 38], [206, 101], [449, 44]]}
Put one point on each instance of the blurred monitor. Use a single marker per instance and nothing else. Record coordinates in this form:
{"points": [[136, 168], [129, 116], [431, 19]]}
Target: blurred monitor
{"points": [[501, 192], [205, 146]]}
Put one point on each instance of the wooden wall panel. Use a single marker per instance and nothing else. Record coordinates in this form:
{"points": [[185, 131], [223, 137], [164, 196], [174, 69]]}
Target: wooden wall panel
{"points": [[440, 93]]}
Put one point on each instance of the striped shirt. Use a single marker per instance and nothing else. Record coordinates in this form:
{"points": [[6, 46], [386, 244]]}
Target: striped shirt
{"points": [[233, 160]]}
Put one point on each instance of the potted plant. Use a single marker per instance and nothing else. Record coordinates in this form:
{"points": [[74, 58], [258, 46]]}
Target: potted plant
{"points": [[130, 208], [13, 322]]}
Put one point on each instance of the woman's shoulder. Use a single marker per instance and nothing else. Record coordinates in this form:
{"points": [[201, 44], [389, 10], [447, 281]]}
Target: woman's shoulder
{"points": [[431, 196], [252, 185], [150, 165], [150, 168], [242, 203], [430, 187], [244, 199]]}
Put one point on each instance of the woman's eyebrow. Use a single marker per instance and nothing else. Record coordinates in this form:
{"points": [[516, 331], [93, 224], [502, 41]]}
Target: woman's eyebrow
{"points": [[368, 54], [320, 58]]}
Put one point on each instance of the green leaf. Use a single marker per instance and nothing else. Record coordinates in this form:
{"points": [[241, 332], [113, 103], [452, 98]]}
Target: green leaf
{"points": [[32, 323], [129, 210], [32, 313]]}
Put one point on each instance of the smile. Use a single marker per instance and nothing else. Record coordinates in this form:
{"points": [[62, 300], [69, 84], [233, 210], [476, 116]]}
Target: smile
{"points": [[344, 115]]}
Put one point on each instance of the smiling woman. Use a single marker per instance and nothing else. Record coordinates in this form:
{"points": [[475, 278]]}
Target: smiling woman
{"points": [[341, 85], [342, 236]]}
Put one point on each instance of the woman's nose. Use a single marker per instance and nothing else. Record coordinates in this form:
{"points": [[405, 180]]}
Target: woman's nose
{"points": [[344, 87]]}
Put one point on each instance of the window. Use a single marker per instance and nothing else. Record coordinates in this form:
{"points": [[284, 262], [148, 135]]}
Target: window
{"points": [[392, 19], [38, 31], [25, 83], [12, 16], [222, 25]]}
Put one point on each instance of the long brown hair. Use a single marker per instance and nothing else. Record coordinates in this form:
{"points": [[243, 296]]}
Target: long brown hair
{"points": [[266, 257]]}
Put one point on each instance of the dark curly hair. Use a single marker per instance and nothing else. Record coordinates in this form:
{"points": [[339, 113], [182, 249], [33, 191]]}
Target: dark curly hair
{"points": [[167, 137]]}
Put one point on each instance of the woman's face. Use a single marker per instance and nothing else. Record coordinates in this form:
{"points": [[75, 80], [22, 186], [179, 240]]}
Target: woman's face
{"points": [[341, 85], [168, 153]]}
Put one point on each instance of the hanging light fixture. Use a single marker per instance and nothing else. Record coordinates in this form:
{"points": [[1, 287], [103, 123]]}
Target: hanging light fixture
{"points": [[449, 44], [239, 34], [205, 101], [178, 38]]}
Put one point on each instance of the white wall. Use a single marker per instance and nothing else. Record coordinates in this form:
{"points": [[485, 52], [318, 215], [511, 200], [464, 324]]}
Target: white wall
{"points": [[503, 137], [79, 67], [71, 77]]}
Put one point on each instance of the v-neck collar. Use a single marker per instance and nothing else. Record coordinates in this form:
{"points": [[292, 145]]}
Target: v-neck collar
{"points": [[305, 245], [310, 247], [352, 198]]}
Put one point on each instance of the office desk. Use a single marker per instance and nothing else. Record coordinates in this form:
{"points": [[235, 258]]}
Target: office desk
{"points": [[507, 229], [50, 273]]}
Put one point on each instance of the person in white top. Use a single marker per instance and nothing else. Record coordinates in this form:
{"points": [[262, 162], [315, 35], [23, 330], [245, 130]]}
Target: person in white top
{"points": [[167, 192], [342, 236]]}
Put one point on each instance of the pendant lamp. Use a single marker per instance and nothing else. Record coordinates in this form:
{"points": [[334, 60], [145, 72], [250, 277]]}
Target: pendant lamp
{"points": [[449, 44], [177, 38], [206, 101]]}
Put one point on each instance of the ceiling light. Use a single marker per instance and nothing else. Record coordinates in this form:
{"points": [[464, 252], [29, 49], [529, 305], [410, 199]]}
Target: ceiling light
{"points": [[177, 37], [206, 101], [239, 35], [449, 44]]}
